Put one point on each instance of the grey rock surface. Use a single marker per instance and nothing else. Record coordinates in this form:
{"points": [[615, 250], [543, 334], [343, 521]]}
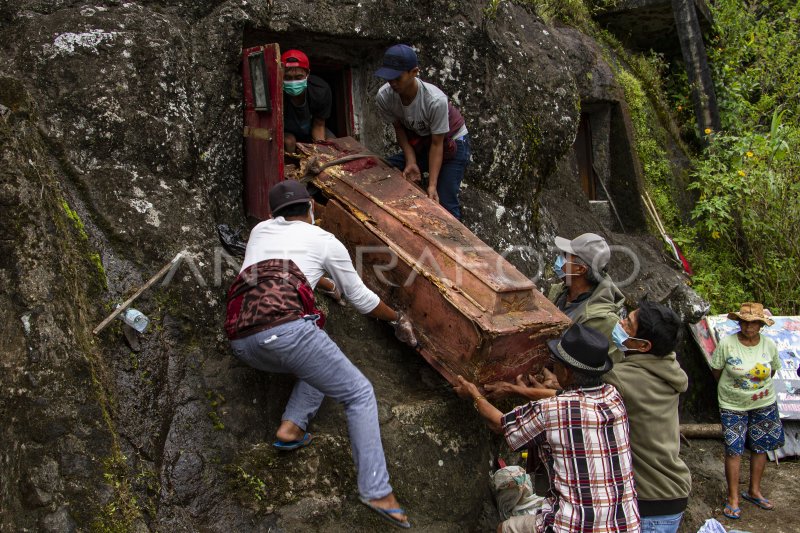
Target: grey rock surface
{"points": [[120, 145]]}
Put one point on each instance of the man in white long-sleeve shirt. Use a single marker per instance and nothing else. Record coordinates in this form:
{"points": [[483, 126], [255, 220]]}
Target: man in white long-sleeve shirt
{"points": [[271, 324]]}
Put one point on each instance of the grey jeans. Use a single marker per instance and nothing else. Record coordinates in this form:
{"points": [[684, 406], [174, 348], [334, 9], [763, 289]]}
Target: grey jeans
{"points": [[301, 348]]}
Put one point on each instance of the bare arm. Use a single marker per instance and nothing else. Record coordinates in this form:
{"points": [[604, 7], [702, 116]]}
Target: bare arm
{"points": [[384, 312], [435, 157], [491, 415], [534, 391], [717, 373], [326, 284], [318, 129], [411, 172]]}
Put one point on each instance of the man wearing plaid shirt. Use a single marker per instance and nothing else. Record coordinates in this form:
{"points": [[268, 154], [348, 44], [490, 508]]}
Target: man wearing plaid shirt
{"points": [[582, 437]]}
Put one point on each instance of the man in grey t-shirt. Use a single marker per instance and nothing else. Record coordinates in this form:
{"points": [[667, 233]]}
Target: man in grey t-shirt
{"points": [[429, 129]]}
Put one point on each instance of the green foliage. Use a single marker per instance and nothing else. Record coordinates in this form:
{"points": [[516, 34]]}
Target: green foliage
{"points": [[119, 514], [597, 6], [577, 13], [744, 243], [252, 484], [491, 8], [754, 61], [76, 220], [94, 257], [649, 147], [215, 400], [746, 216], [571, 12]]}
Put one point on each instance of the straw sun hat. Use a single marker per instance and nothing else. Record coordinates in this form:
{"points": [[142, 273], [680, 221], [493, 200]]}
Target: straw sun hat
{"points": [[750, 312]]}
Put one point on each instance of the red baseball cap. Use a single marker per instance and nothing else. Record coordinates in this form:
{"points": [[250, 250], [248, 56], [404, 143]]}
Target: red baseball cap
{"points": [[295, 58]]}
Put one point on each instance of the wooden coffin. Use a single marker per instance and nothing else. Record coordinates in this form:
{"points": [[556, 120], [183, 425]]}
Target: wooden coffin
{"points": [[473, 312]]}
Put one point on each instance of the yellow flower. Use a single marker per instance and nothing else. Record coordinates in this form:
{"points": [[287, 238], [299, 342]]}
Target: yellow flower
{"points": [[715, 234], [708, 131], [742, 173], [749, 154]]}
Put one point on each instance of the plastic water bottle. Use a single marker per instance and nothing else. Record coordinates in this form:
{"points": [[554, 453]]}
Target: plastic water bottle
{"points": [[135, 319]]}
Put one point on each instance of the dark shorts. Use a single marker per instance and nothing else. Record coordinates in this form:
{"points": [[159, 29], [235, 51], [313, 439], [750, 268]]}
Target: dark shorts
{"points": [[758, 430]]}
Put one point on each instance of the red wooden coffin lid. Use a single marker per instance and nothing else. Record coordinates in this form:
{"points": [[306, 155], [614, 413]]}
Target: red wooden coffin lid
{"points": [[511, 316]]}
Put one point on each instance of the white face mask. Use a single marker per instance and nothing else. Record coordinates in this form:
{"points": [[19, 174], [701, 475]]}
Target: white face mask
{"points": [[312, 212]]}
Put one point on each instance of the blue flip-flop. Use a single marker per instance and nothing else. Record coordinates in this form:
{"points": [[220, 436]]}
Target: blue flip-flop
{"points": [[731, 512], [386, 514], [761, 502], [286, 446]]}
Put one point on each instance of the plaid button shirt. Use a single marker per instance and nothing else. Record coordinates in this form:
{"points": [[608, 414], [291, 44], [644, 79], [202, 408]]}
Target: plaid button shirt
{"points": [[582, 437]]}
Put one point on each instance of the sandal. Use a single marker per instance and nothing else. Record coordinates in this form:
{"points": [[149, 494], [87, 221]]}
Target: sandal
{"points": [[286, 446], [386, 514], [734, 513], [761, 502]]}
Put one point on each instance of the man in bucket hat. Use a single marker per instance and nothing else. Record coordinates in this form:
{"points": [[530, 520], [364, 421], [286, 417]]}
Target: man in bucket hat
{"points": [[650, 381], [430, 131], [582, 437], [272, 323]]}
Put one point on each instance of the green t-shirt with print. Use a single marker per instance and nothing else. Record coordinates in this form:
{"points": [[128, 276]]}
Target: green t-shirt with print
{"points": [[746, 381]]}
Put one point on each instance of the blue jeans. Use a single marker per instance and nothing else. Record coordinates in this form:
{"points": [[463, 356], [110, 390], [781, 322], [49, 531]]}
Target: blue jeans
{"points": [[450, 175], [667, 523], [301, 348]]}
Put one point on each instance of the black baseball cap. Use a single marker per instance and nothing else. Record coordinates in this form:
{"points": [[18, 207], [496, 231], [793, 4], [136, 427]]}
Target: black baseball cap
{"points": [[286, 193]]}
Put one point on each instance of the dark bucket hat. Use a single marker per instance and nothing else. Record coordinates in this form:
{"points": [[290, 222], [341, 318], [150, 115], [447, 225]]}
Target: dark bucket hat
{"points": [[583, 348]]}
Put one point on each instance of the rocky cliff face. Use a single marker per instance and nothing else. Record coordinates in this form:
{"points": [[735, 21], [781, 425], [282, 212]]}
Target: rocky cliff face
{"points": [[121, 145]]}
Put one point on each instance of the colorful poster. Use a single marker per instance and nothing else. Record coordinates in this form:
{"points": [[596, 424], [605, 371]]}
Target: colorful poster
{"points": [[786, 334]]}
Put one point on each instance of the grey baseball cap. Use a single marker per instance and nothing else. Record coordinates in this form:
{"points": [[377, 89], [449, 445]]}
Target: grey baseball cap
{"points": [[590, 247]]}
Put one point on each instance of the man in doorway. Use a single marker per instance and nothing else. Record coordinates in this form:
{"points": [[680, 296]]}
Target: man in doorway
{"points": [[272, 325], [307, 102], [430, 131]]}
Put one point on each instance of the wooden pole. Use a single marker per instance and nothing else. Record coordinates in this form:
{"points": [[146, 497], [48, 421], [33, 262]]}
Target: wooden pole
{"points": [[138, 293], [701, 431]]}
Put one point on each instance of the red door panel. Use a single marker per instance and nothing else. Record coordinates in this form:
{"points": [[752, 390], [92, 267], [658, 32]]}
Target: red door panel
{"points": [[262, 78]]}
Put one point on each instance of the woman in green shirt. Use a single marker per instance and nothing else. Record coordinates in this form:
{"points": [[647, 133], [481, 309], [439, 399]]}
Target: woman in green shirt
{"points": [[744, 364]]}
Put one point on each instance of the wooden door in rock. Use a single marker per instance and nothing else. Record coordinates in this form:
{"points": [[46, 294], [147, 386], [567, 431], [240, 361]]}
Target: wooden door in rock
{"points": [[262, 80]]}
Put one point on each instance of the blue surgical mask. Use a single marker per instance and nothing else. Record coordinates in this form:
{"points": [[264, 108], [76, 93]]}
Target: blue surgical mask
{"points": [[558, 266], [295, 87], [619, 336]]}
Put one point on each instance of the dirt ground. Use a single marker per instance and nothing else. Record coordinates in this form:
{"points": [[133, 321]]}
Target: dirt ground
{"points": [[779, 484]]}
